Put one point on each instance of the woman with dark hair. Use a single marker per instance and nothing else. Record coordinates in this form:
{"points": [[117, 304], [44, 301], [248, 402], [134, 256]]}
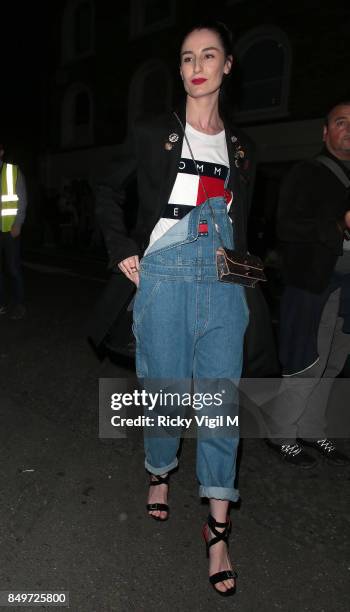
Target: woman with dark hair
{"points": [[195, 178]]}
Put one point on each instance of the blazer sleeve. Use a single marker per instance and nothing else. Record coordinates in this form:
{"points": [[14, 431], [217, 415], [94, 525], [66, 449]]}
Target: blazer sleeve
{"points": [[301, 216], [110, 196]]}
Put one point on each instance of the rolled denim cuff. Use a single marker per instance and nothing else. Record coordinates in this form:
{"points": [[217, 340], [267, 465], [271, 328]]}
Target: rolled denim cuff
{"points": [[219, 493], [158, 471]]}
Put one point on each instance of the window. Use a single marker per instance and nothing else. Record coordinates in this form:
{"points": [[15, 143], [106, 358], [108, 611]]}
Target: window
{"points": [[151, 15], [77, 30], [77, 117], [264, 60], [150, 90]]}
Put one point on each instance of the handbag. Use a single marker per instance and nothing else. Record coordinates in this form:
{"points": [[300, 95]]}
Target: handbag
{"points": [[231, 266], [234, 267]]}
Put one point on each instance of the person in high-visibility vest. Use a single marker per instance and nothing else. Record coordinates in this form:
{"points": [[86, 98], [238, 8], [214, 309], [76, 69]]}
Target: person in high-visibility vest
{"points": [[13, 204]]}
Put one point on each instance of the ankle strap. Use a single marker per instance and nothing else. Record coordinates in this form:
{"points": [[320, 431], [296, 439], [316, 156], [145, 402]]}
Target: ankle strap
{"points": [[218, 535], [214, 523], [159, 480]]}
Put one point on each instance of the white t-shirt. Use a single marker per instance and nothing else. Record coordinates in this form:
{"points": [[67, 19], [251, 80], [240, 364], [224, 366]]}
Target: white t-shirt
{"points": [[210, 153]]}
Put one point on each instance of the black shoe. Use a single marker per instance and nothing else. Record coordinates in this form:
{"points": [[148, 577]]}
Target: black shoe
{"points": [[328, 450], [293, 453], [157, 506], [210, 527]]}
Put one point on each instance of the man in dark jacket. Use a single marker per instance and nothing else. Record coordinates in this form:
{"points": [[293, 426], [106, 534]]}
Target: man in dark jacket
{"points": [[313, 217]]}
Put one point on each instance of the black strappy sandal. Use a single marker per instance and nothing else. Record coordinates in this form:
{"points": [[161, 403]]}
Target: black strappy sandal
{"points": [[219, 536], [158, 506]]}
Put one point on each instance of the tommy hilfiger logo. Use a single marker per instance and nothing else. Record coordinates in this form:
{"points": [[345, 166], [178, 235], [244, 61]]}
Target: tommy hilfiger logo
{"points": [[203, 228], [208, 169]]}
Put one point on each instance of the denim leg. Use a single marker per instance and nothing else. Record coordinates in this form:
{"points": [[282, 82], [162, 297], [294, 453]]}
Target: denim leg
{"points": [[164, 355], [218, 356]]}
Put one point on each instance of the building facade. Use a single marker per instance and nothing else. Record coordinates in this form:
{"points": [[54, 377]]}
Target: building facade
{"points": [[111, 63]]}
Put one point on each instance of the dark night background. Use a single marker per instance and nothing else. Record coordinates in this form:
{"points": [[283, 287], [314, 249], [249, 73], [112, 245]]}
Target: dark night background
{"points": [[26, 54], [75, 75]]}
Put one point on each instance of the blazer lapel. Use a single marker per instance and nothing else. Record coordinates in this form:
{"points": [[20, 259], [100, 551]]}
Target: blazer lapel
{"points": [[237, 212], [234, 182], [171, 148]]}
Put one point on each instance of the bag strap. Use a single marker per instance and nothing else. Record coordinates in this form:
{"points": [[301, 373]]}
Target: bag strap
{"points": [[340, 174], [335, 168], [200, 180]]}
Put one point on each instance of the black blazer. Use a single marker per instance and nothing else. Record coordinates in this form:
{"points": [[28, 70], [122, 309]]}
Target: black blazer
{"points": [[155, 161], [156, 165], [312, 204]]}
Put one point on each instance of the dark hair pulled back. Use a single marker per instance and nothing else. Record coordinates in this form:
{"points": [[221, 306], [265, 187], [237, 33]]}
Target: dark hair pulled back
{"points": [[219, 28], [226, 38]]}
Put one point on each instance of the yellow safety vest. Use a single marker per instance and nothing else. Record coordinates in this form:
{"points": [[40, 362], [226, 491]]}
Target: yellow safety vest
{"points": [[9, 199]]}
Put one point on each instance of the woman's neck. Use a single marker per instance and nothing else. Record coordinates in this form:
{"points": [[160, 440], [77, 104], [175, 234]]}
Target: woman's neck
{"points": [[203, 115]]}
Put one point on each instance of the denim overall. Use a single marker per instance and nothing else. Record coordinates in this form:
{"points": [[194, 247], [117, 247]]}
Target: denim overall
{"points": [[187, 325]]}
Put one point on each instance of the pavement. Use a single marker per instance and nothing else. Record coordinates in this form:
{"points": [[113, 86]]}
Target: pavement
{"points": [[72, 505]]}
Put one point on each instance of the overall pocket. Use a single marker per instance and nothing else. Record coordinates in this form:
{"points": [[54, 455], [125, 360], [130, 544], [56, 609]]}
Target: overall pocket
{"points": [[145, 296]]}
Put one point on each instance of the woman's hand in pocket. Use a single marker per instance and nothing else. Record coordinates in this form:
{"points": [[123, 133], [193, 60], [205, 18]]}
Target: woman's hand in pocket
{"points": [[131, 267]]}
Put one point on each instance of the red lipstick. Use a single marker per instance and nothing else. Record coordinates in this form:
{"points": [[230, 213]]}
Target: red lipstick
{"points": [[198, 81]]}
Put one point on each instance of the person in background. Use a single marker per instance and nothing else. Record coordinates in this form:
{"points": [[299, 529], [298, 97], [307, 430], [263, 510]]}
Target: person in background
{"points": [[13, 205], [313, 222]]}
